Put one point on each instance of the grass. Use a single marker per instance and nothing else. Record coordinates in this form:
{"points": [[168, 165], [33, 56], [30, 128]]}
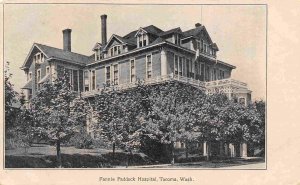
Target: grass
{"points": [[44, 156]]}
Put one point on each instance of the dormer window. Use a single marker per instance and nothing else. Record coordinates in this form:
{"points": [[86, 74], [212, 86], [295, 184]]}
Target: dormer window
{"points": [[97, 54], [97, 49], [115, 50], [39, 58], [142, 40]]}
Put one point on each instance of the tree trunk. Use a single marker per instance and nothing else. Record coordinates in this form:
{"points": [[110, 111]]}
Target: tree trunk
{"points": [[173, 153], [186, 149], [208, 151], [58, 153], [114, 149]]}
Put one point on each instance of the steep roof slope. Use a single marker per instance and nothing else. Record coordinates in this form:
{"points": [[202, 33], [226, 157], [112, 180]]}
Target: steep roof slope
{"points": [[64, 55]]}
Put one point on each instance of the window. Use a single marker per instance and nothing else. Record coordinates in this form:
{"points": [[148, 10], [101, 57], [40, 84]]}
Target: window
{"points": [[111, 52], [188, 68], [176, 39], [149, 66], [116, 74], [214, 74], [39, 58], [205, 48], [38, 78], [93, 78], [221, 74], [115, 50], [132, 70], [180, 66], [192, 75], [201, 71], [201, 45], [86, 80], [98, 54], [176, 65], [38, 75], [70, 75], [207, 73], [142, 40], [107, 75], [76, 79], [47, 70]]}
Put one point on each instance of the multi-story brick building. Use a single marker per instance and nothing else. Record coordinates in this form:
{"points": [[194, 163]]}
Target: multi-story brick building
{"points": [[148, 53]]}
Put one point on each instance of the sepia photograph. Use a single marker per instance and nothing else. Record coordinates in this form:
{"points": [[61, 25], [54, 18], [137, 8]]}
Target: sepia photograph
{"points": [[135, 86]]}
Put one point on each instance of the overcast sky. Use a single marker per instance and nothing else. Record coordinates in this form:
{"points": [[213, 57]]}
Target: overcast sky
{"points": [[238, 30]]}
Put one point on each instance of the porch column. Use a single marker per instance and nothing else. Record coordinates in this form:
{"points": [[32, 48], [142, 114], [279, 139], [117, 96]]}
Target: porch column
{"points": [[243, 149], [232, 150], [204, 148], [163, 63]]}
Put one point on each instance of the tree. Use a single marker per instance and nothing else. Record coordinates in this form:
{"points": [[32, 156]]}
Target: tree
{"points": [[10, 99], [57, 113], [168, 120], [118, 113]]}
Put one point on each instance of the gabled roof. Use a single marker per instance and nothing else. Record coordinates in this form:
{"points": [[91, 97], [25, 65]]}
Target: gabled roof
{"points": [[214, 45], [152, 30], [120, 39], [174, 30], [59, 54], [65, 55], [97, 46], [127, 41], [195, 31]]}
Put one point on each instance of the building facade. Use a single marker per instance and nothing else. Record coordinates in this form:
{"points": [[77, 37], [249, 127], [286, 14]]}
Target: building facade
{"points": [[148, 54]]}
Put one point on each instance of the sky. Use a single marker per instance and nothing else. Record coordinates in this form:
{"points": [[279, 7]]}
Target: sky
{"points": [[238, 30]]}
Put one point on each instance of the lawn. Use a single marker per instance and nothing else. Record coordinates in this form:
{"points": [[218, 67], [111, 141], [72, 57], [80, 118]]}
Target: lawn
{"points": [[44, 156]]}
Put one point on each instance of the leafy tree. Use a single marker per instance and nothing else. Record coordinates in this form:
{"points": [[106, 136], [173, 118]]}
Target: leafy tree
{"points": [[118, 113], [169, 121], [10, 99], [57, 113]]}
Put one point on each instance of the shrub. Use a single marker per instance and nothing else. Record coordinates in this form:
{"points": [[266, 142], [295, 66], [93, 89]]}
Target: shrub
{"points": [[81, 140]]}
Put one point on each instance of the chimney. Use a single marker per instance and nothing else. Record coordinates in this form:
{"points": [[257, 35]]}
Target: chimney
{"points": [[197, 25], [103, 29], [67, 39]]}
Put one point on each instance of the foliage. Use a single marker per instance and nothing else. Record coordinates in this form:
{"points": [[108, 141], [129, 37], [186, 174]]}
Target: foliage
{"points": [[171, 112], [10, 99], [117, 114], [58, 113], [81, 140]]}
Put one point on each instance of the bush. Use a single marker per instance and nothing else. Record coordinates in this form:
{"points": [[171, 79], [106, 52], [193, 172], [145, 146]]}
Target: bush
{"points": [[81, 141]]}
